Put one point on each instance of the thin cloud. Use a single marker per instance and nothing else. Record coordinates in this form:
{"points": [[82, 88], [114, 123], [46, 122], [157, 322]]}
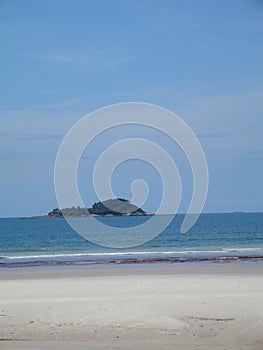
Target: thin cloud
{"points": [[92, 62], [210, 135], [8, 135], [66, 104], [54, 57]]}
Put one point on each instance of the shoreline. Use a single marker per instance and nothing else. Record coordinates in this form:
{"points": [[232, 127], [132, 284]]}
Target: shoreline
{"points": [[69, 271], [111, 261], [87, 216]]}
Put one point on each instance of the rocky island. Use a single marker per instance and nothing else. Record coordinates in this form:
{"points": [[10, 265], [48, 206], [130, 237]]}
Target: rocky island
{"points": [[109, 207]]}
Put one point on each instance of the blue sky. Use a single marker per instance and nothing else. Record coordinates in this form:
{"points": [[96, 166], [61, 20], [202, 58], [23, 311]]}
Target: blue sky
{"points": [[61, 60]]}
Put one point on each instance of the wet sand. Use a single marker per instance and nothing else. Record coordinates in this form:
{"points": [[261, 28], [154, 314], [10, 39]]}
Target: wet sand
{"points": [[187, 307]]}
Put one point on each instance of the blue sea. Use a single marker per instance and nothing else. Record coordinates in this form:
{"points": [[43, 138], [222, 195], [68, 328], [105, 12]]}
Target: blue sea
{"points": [[52, 242]]}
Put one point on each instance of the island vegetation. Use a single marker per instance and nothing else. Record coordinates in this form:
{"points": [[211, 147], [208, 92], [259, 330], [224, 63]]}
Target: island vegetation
{"points": [[110, 207]]}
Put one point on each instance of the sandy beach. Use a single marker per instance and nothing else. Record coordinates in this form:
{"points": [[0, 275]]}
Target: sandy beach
{"points": [[177, 306]]}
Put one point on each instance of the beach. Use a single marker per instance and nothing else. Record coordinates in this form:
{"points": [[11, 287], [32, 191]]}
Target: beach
{"points": [[161, 306]]}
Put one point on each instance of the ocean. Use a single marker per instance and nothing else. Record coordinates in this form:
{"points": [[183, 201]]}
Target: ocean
{"points": [[52, 242]]}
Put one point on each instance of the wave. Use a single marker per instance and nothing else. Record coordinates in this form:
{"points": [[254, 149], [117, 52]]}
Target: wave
{"points": [[29, 250], [137, 253], [129, 253], [242, 249]]}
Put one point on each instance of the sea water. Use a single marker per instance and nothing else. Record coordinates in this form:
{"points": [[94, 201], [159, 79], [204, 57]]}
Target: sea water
{"points": [[52, 241]]}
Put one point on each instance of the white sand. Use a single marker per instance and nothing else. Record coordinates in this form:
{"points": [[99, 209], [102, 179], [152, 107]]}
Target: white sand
{"points": [[170, 307]]}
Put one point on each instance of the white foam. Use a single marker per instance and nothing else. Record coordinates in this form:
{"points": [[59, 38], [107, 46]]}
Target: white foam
{"points": [[125, 254]]}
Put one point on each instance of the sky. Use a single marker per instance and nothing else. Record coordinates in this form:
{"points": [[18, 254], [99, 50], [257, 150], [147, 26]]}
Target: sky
{"points": [[61, 60]]}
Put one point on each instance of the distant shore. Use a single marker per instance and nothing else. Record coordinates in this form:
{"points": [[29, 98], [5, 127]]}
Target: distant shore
{"points": [[83, 216], [109, 207]]}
